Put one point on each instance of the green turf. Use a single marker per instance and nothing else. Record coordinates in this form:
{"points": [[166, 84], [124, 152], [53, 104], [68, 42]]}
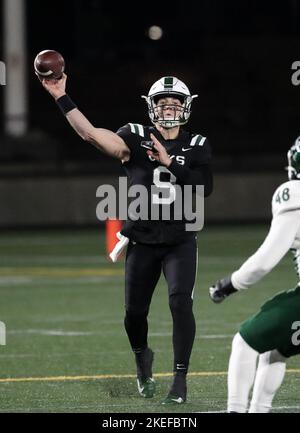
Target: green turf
{"points": [[63, 304]]}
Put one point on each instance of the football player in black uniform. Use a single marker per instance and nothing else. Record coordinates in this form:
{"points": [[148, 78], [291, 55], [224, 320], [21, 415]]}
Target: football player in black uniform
{"points": [[163, 155]]}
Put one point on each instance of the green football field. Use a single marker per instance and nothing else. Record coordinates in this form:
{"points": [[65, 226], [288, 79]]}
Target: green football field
{"points": [[63, 305]]}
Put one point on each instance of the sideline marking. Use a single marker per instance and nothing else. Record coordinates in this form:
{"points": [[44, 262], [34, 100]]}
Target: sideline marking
{"points": [[113, 376]]}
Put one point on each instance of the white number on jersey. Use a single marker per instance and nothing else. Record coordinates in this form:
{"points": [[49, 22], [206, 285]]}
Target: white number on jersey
{"points": [[283, 195], [296, 335], [165, 185]]}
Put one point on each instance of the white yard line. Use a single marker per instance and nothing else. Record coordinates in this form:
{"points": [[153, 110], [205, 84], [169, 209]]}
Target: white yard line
{"points": [[75, 333]]}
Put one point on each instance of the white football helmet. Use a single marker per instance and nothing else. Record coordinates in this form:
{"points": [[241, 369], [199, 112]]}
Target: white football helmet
{"points": [[169, 87]]}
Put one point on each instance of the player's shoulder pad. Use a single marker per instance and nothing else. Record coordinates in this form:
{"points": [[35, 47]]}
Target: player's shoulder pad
{"points": [[286, 197], [197, 140]]}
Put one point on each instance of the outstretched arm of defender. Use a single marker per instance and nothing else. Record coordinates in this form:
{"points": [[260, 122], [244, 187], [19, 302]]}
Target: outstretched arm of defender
{"points": [[105, 140]]}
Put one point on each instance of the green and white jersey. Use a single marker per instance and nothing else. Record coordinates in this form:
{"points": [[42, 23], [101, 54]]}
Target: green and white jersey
{"points": [[284, 234], [286, 198]]}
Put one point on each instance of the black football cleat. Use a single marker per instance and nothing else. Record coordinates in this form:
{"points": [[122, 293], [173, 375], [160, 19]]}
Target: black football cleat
{"points": [[173, 399], [178, 391], [146, 387], [145, 382]]}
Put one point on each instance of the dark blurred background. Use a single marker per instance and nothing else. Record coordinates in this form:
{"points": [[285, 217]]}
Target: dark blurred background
{"points": [[237, 55]]}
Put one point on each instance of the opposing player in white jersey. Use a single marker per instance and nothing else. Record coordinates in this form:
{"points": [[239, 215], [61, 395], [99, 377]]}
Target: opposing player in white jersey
{"points": [[273, 334]]}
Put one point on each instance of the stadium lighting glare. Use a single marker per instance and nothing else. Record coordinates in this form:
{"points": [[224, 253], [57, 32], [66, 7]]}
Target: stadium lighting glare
{"points": [[155, 33]]}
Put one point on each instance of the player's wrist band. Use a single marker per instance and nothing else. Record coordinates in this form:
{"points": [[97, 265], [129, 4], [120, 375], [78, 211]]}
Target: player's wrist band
{"points": [[66, 104]]}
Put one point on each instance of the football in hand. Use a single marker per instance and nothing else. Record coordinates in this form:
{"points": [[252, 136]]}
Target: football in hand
{"points": [[49, 64]]}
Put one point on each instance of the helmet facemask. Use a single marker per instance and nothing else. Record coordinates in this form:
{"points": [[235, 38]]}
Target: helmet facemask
{"points": [[293, 157], [159, 111]]}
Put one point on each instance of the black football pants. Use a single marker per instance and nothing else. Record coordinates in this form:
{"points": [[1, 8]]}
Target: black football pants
{"points": [[144, 264]]}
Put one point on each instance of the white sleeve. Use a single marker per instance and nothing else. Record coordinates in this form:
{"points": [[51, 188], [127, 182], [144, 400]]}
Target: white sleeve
{"points": [[277, 243]]}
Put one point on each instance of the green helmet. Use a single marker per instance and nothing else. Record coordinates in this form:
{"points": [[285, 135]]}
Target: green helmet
{"points": [[293, 157]]}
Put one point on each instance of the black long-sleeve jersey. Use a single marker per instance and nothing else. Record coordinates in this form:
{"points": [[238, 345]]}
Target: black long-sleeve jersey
{"points": [[191, 165]]}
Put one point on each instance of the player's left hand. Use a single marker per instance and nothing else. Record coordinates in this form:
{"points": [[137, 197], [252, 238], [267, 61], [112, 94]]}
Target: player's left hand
{"points": [[161, 154]]}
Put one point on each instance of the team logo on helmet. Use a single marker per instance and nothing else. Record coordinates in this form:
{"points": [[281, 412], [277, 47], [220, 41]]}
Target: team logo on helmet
{"points": [[161, 110], [293, 157]]}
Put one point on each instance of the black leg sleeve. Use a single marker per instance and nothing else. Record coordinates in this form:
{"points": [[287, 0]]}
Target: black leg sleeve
{"points": [[142, 273], [184, 329], [180, 267]]}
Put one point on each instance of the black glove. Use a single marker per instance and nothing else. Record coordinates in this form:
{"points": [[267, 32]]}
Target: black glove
{"points": [[221, 289]]}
